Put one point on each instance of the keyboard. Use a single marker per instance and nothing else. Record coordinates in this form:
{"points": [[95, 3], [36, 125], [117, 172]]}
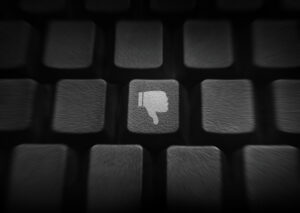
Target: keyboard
{"points": [[149, 105]]}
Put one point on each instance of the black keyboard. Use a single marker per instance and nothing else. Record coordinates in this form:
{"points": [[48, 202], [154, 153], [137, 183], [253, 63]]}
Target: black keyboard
{"points": [[153, 105]]}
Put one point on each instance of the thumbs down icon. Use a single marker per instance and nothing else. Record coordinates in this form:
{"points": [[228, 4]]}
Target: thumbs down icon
{"points": [[154, 102]]}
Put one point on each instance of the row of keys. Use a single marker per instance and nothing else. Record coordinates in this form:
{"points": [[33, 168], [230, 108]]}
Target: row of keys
{"points": [[153, 107], [73, 47], [166, 6], [195, 178]]}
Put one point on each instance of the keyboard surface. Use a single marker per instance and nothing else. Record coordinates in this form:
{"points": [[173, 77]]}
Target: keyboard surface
{"points": [[149, 105]]}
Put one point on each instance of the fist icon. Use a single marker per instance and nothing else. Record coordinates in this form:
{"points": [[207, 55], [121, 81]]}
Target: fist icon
{"points": [[154, 102]]}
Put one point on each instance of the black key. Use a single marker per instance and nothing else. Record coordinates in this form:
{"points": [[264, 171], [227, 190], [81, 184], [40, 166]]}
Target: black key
{"points": [[153, 110], [276, 44], [70, 45], [172, 6], [139, 45], [194, 178], [286, 95], [240, 5], [291, 4], [15, 44], [17, 104], [272, 178], [227, 108], [207, 45], [42, 6], [81, 108], [37, 178], [115, 178], [107, 6]]}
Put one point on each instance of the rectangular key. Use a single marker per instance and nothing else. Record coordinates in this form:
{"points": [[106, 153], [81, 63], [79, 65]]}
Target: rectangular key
{"points": [[70, 46], [17, 99], [139, 45], [107, 6], [240, 5], [153, 110], [276, 44], [194, 179], [272, 178], [286, 102], [15, 45], [208, 45], [115, 178], [291, 5], [172, 6], [227, 109], [81, 108], [37, 178], [42, 6]]}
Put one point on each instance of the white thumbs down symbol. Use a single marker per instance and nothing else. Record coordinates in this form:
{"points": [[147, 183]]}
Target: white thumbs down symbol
{"points": [[154, 102]]}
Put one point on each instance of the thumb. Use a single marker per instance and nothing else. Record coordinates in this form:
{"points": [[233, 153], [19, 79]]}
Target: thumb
{"points": [[153, 115]]}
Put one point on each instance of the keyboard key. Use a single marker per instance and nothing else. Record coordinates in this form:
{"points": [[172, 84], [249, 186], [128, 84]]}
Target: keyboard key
{"points": [[276, 44], [240, 5], [70, 45], [139, 45], [153, 110], [291, 4], [194, 178], [107, 6], [272, 178], [42, 6], [37, 178], [207, 44], [16, 104], [171, 6], [287, 104], [80, 107], [227, 106], [14, 41], [115, 178], [153, 106]]}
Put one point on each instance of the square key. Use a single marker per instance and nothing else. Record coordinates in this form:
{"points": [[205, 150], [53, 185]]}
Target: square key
{"points": [[153, 106], [17, 99], [70, 45], [80, 106], [227, 106], [276, 44], [139, 45], [208, 45], [286, 94], [14, 41]]}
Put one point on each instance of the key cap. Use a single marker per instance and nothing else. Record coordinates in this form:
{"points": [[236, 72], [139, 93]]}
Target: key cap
{"points": [[207, 44], [291, 4], [107, 6], [276, 44], [239, 5], [17, 104], [286, 105], [194, 179], [70, 45], [80, 108], [42, 6], [227, 108], [15, 44], [139, 45], [172, 6], [272, 178], [115, 178], [37, 178], [153, 110]]}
